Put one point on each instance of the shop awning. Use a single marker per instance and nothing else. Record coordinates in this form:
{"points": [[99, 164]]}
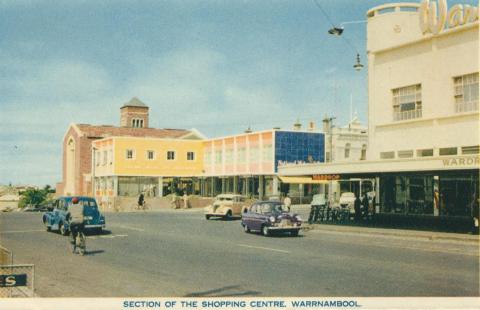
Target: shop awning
{"points": [[302, 180]]}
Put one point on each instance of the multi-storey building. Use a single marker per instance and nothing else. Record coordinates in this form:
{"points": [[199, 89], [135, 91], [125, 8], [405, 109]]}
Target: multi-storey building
{"points": [[423, 119]]}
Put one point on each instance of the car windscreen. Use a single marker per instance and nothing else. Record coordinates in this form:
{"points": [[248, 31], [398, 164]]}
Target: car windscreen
{"points": [[91, 204], [271, 208], [224, 199]]}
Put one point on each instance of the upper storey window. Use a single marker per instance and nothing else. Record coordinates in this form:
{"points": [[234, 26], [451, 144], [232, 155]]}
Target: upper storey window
{"points": [[137, 123], [466, 93], [407, 102]]}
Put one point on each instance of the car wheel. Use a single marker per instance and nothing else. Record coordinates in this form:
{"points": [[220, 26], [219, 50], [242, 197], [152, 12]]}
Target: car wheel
{"points": [[265, 230], [246, 229], [228, 216], [45, 223], [207, 217], [294, 233]]}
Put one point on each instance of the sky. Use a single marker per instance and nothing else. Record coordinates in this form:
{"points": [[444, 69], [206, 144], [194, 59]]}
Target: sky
{"points": [[217, 66]]}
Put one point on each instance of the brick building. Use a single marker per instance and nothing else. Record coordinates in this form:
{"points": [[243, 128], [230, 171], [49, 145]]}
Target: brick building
{"points": [[77, 144]]}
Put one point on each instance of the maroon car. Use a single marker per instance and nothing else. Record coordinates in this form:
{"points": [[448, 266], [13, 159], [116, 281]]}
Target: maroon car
{"points": [[270, 216]]}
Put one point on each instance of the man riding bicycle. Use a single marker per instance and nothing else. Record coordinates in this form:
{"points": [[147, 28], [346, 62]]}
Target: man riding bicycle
{"points": [[75, 216]]}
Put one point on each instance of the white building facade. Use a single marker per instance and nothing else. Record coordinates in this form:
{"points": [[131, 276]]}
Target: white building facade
{"points": [[423, 114]]}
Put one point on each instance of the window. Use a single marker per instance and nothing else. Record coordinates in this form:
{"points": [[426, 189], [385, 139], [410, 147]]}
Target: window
{"points": [[190, 155], [347, 150], [363, 156], [448, 151], [407, 102], [466, 93], [105, 154], [218, 157], [208, 157], [470, 149], [267, 155], [97, 158], [387, 155], [150, 155], [171, 155], [405, 154], [110, 156], [130, 154], [137, 123], [229, 156], [425, 153], [241, 155]]}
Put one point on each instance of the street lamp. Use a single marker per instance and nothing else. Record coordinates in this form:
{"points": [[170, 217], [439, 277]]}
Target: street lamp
{"points": [[337, 31]]}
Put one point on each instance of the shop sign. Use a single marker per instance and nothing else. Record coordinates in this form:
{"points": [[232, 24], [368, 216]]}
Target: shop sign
{"points": [[326, 177], [435, 16], [461, 161]]}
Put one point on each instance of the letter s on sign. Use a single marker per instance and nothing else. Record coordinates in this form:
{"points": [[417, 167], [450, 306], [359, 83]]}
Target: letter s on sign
{"points": [[10, 281]]}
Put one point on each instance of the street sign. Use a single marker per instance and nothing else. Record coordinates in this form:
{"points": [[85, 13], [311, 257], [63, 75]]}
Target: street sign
{"points": [[10, 280]]}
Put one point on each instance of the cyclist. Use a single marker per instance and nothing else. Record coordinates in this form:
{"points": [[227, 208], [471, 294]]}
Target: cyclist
{"points": [[75, 215]]}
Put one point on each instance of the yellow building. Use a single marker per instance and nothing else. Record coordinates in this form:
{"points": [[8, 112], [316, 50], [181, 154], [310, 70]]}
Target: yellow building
{"points": [[128, 166]]}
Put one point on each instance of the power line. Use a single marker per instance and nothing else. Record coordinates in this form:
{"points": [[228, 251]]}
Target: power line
{"points": [[324, 13]]}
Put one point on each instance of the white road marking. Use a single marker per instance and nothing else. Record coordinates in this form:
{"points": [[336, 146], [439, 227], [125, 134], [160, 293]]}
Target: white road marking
{"points": [[128, 227], [107, 236], [262, 248], [21, 231]]}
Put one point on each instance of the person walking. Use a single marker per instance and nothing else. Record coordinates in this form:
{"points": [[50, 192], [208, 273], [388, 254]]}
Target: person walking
{"points": [[357, 205], [141, 201], [365, 204], [474, 213], [287, 202]]}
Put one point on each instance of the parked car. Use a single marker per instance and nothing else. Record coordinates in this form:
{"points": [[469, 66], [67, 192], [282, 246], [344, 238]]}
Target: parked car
{"points": [[270, 216], [56, 219], [347, 201], [226, 206]]}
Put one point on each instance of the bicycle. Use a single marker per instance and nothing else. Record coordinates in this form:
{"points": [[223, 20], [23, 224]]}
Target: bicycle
{"points": [[79, 242]]}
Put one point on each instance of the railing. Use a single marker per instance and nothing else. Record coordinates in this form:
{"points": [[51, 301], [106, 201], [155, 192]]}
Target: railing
{"points": [[461, 107], [406, 115]]}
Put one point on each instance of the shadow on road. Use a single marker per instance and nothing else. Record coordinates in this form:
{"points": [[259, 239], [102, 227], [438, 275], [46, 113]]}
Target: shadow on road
{"points": [[97, 233], [92, 253], [226, 291]]}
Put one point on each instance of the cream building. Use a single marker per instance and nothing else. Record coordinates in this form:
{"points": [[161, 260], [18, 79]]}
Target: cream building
{"points": [[423, 116]]}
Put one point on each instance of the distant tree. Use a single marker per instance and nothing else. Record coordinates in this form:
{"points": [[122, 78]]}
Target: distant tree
{"points": [[32, 196]]}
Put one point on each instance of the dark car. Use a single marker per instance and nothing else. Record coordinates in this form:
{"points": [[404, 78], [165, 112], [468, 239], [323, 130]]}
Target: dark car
{"points": [[270, 216], [56, 219]]}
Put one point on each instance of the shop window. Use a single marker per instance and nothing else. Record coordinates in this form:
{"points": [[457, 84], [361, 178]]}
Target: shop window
{"points": [[171, 155], [405, 154], [407, 102], [347, 150], [150, 155], [425, 153], [387, 155], [466, 93], [448, 151], [130, 154], [467, 150], [190, 155]]}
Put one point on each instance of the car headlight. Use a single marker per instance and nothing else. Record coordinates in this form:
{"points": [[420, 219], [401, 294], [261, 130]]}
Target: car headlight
{"points": [[272, 219]]}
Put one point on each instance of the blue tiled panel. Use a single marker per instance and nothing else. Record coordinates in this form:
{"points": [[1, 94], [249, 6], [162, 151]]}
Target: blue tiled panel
{"points": [[299, 146]]}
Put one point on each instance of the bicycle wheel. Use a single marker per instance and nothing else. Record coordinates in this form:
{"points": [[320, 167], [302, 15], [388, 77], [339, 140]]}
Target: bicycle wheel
{"points": [[82, 246]]}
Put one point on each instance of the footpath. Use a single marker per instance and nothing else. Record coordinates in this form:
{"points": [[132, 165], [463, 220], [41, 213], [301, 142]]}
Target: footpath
{"points": [[304, 211]]}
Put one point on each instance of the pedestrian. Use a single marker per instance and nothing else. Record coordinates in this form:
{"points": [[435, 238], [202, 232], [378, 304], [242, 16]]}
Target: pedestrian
{"points": [[357, 205], [474, 213], [185, 200], [141, 200], [287, 202], [174, 200], [365, 205]]}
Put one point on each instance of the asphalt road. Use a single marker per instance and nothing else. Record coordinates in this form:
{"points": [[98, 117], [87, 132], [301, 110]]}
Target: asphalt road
{"points": [[179, 253]]}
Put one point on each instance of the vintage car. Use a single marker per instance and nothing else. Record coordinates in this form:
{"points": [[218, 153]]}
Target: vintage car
{"points": [[347, 201], [270, 216], [56, 219], [226, 206]]}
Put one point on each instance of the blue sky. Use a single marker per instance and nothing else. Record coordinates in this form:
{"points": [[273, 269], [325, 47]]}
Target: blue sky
{"points": [[218, 66]]}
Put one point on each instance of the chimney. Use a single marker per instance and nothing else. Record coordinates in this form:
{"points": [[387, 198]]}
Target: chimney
{"points": [[311, 126], [248, 130]]}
